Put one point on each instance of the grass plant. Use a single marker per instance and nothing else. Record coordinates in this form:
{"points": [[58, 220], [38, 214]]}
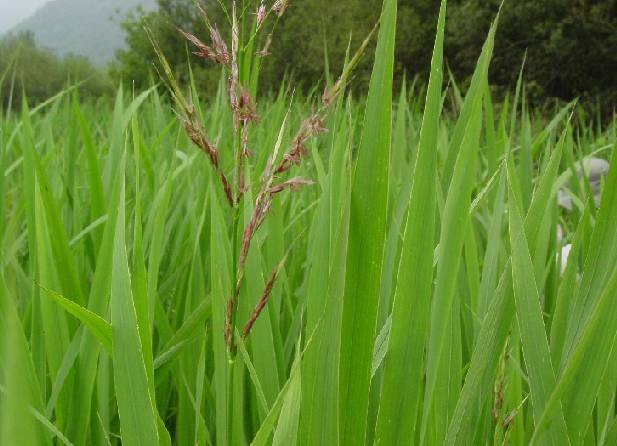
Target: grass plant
{"points": [[313, 270]]}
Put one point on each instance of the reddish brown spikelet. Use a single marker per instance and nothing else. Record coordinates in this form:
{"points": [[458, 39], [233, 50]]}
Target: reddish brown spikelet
{"points": [[499, 398], [311, 127], [246, 107], [234, 76], [264, 202], [331, 94], [196, 134], [242, 154], [510, 418], [263, 301], [261, 14], [200, 140], [227, 188], [218, 54], [220, 46], [229, 338], [293, 184], [261, 210], [204, 50], [315, 126]]}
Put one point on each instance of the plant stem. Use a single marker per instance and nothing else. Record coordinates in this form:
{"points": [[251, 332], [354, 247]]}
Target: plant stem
{"points": [[230, 397]]}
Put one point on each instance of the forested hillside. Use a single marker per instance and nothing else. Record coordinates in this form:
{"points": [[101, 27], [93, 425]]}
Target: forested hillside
{"points": [[89, 28]]}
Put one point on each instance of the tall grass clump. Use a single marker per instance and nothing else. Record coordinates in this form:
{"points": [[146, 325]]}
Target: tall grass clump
{"points": [[431, 268]]}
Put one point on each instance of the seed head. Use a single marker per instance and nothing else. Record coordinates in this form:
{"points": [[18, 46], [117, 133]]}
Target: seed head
{"points": [[219, 45], [293, 185], [331, 94], [280, 6], [219, 54], [229, 337], [265, 51], [311, 127], [246, 106], [261, 14], [265, 297]]}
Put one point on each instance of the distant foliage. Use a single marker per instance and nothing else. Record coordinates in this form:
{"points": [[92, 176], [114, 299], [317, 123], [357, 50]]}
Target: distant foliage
{"points": [[134, 66], [90, 28], [571, 46], [37, 72]]}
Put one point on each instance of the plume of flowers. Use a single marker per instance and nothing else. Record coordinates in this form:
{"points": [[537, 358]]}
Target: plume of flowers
{"points": [[217, 53], [280, 6], [261, 14], [245, 115]]}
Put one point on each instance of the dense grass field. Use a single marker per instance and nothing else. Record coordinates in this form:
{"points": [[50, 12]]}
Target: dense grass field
{"points": [[382, 271]]}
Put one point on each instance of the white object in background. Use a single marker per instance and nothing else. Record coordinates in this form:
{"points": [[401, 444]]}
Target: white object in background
{"points": [[565, 254], [559, 234], [596, 169]]}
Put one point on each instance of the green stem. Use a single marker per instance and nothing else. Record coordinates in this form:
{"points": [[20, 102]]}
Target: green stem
{"points": [[235, 250], [230, 397], [231, 352]]}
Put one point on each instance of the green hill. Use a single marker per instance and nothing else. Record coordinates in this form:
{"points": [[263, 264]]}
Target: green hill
{"points": [[85, 27]]}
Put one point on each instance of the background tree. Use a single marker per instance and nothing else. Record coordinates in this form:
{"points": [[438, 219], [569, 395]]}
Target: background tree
{"points": [[571, 45], [135, 64], [24, 67], [311, 34]]}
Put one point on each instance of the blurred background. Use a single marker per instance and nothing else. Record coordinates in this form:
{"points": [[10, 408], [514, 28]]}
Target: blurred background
{"points": [[569, 46]]}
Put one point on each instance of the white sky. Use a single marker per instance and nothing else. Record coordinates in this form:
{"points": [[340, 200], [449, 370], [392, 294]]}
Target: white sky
{"points": [[14, 11]]}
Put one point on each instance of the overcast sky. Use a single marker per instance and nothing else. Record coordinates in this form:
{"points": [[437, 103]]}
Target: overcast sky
{"points": [[14, 11]]}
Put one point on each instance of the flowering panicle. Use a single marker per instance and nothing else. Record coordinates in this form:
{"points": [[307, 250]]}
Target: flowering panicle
{"points": [[229, 314], [219, 45], [217, 53], [260, 15], [234, 77], [246, 107], [194, 130], [280, 6], [293, 184], [244, 113], [265, 51], [263, 301], [309, 128]]}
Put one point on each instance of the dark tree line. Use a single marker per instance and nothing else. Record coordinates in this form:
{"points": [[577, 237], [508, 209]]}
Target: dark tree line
{"points": [[570, 45]]}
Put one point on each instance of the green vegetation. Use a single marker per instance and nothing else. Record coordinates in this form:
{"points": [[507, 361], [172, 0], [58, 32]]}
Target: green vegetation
{"points": [[306, 269], [88, 28], [39, 74], [570, 47]]}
